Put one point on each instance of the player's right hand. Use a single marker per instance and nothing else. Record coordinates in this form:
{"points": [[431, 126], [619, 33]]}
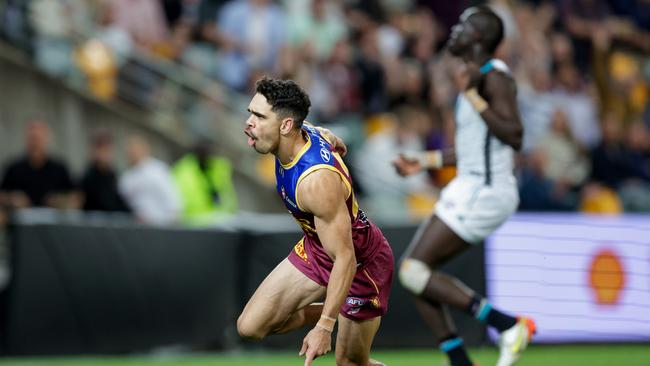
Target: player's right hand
{"points": [[405, 166], [317, 343]]}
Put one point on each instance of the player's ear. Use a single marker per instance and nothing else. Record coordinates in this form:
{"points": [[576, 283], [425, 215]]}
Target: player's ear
{"points": [[286, 125]]}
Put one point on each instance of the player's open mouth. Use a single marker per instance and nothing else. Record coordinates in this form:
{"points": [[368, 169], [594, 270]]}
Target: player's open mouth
{"points": [[251, 139]]}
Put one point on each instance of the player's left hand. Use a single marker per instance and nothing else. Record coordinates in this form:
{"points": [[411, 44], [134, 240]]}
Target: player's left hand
{"points": [[317, 343], [406, 166], [337, 143]]}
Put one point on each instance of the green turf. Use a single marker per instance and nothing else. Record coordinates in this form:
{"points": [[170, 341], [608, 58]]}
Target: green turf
{"points": [[602, 355]]}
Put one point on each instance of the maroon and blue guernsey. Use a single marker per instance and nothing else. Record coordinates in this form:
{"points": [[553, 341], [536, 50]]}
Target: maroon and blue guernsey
{"points": [[368, 296]]}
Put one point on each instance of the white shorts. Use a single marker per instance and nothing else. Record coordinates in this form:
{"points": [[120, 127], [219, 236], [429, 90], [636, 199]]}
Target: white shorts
{"points": [[474, 210]]}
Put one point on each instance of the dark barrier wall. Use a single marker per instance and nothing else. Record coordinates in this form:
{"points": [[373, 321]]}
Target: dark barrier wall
{"points": [[79, 289], [107, 290]]}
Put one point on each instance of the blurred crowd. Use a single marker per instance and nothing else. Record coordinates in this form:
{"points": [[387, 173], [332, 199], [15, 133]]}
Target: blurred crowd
{"points": [[378, 75], [196, 190]]}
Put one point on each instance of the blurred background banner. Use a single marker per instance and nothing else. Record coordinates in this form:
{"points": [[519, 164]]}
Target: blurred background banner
{"points": [[583, 278]]}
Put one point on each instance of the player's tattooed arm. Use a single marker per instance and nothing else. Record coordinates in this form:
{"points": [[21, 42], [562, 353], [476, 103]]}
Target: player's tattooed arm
{"points": [[324, 194], [502, 115]]}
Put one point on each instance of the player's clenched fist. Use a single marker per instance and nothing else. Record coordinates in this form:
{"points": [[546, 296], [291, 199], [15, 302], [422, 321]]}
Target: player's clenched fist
{"points": [[317, 343]]}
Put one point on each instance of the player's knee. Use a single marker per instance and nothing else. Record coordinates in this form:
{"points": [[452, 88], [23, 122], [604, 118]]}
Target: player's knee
{"points": [[414, 275], [249, 330]]}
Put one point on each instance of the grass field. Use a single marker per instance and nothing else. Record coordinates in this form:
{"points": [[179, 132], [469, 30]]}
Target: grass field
{"points": [[602, 355]]}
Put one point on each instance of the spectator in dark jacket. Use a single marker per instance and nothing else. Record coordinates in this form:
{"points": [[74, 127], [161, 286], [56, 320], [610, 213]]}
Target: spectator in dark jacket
{"points": [[99, 184], [37, 179]]}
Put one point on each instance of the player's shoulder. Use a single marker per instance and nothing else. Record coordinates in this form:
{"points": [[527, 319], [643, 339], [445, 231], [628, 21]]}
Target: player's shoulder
{"points": [[499, 77], [318, 187], [320, 151]]}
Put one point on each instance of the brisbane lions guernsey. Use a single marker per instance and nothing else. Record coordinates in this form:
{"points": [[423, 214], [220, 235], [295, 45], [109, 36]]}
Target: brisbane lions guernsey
{"points": [[318, 154]]}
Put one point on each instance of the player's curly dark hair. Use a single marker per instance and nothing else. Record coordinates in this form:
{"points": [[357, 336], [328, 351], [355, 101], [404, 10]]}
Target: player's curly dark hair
{"points": [[285, 97]]}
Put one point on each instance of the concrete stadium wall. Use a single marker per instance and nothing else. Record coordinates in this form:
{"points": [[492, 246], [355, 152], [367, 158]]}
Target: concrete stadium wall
{"points": [[27, 93]]}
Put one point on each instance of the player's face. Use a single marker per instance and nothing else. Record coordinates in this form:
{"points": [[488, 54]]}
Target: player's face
{"points": [[462, 34], [263, 126]]}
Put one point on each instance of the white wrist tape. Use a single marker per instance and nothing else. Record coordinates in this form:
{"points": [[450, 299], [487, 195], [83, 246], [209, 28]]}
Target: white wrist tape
{"points": [[427, 159], [477, 101]]}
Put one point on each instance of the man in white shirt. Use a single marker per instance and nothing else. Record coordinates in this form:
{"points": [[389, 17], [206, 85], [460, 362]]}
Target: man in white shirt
{"points": [[148, 186]]}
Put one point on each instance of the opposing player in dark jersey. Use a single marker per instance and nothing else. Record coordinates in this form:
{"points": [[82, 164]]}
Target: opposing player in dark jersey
{"points": [[343, 258]]}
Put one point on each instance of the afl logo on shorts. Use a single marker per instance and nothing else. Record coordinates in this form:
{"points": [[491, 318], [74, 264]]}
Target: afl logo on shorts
{"points": [[325, 154]]}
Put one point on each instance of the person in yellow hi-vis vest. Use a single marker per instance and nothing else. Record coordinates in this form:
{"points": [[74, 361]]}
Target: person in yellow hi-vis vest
{"points": [[205, 184]]}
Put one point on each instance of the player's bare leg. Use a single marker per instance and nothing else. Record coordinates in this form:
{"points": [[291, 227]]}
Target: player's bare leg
{"points": [[433, 245], [354, 340], [309, 315], [274, 305]]}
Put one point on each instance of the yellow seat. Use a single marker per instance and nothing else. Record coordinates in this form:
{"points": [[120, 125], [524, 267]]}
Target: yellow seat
{"points": [[601, 200]]}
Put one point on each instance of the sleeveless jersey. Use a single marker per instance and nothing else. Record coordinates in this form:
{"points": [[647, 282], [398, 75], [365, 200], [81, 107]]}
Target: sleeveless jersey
{"points": [[318, 154], [478, 152]]}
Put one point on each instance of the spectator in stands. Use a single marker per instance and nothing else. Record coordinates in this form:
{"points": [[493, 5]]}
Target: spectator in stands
{"points": [[611, 162], [570, 96], [14, 23], [99, 183], [144, 20], [317, 27], [384, 189], [536, 105], [37, 179], [205, 184], [581, 18], [539, 193], [635, 192], [148, 186], [566, 161], [117, 38], [249, 33], [619, 79], [51, 22]]}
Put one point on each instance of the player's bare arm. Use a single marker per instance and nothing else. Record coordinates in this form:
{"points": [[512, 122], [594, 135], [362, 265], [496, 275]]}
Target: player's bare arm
{"points": [[500, 113], [411, 163], [323, 193]]}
